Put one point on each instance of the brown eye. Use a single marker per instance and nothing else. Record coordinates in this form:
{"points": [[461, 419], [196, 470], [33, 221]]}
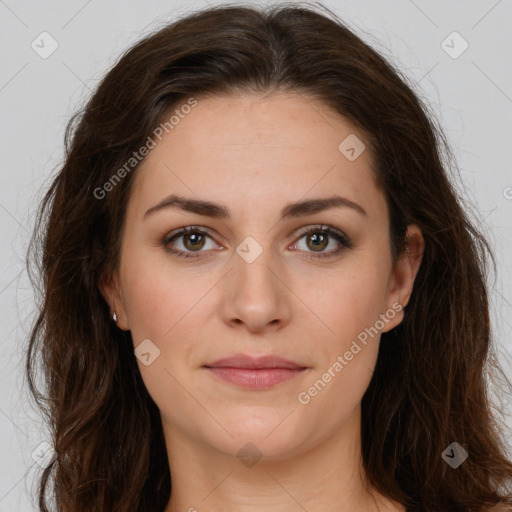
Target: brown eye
{"points": [[318, 241], [318, 238], [193, 241]]}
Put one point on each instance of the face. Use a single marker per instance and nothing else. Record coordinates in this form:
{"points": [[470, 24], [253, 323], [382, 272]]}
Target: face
{"points": [[253, 281]]}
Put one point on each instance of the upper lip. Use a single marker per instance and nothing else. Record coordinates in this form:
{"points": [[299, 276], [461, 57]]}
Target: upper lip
{"points": [[247, 361]]}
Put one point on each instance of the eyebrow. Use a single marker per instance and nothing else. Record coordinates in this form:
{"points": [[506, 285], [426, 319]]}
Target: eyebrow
{"points": [[218, 211]]}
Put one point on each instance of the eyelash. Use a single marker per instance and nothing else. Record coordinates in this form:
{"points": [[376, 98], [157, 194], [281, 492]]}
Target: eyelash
{"points": [[340, 237]]}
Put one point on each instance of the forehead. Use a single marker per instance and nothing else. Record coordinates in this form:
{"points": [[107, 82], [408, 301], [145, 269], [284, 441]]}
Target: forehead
{"points": [[250, 150]]}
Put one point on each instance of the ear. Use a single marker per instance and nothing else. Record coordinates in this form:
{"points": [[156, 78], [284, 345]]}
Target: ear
{"points": [[109, 289], [403, 275]]}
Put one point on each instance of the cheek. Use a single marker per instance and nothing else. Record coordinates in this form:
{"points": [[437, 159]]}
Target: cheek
{"points": [[350, 306], [172, 308], [150, 305], [347, 355], [352, 299], [166, 308], [159, 298], [331, 395]]}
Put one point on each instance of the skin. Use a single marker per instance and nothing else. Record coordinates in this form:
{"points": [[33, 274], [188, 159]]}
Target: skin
{"points": [[255, 154]]}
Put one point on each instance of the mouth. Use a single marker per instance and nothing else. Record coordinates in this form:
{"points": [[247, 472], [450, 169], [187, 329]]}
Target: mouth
{"points": [[255, 372]]}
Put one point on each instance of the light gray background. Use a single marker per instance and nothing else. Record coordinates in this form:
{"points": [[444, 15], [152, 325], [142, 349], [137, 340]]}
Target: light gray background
{"points": [[471, 95]]}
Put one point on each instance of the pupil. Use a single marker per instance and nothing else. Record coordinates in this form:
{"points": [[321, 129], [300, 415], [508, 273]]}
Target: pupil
{"points": [[317, 239], [193, 236]]}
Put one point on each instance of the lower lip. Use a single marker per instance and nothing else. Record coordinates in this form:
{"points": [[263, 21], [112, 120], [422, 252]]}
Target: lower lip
{"points": [[251, 378]]}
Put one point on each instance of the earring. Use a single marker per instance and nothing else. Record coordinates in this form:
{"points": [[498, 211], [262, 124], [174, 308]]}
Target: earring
{"points": [[114, 317]]}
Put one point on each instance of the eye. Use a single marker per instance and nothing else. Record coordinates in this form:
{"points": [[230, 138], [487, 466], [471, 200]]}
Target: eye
{"points": [[318, 238], [194, 240]]}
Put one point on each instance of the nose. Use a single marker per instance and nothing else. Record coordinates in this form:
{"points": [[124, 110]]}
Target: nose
{"points": [[255, 294]]}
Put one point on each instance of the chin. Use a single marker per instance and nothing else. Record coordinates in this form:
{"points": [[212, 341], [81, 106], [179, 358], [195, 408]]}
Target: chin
{"points": [[271, 435]]}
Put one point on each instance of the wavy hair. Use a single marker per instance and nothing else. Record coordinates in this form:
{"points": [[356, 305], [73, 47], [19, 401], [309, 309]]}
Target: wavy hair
{"points": [[431, 384]]}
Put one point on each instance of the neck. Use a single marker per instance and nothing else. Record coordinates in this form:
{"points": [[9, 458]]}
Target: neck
{"points": [[328, 477]]}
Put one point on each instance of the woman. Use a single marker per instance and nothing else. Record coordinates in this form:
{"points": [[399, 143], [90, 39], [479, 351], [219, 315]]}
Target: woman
{"points": [[261, 291]]}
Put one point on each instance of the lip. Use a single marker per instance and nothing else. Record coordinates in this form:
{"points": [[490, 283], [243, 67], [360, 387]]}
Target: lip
{"points": [[255, 372], [251, 362]]}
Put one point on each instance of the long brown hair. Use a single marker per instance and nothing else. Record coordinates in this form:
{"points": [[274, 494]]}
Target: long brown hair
{"points": [[430, 387]]}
